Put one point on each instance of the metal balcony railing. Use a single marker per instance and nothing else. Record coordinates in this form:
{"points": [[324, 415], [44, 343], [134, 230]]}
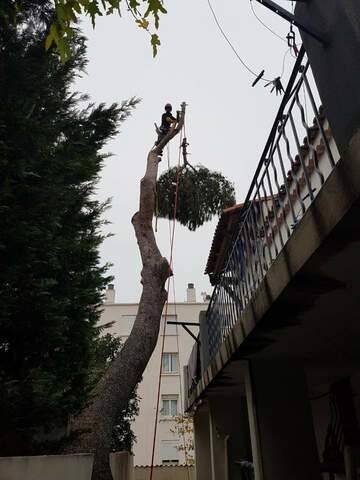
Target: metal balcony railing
{"points": [[298, 157]]}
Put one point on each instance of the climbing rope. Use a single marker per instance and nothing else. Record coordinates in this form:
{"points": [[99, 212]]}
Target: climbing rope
{"points": [[176, 326], [166, 306]]}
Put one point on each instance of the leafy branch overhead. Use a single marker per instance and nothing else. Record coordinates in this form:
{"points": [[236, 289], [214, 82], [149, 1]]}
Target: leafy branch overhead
{"points": [[146, 15], [202, 195]]}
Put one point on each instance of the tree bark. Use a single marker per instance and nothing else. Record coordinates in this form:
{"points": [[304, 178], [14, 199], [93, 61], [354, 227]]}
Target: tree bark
{"points": [[93, 427]]}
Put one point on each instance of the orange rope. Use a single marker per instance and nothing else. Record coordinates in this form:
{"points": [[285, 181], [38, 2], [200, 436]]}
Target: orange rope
{"points": [[166, 307]]}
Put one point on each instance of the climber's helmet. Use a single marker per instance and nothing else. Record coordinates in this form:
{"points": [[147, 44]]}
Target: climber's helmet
{"points": [[168, 107]]}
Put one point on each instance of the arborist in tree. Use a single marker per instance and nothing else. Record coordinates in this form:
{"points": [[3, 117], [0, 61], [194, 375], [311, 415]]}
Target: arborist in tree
{"points": [[168, 121]]}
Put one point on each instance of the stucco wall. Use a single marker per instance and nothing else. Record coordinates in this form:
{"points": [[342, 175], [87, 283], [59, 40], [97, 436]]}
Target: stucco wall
{"points": [[170, 385], [47, 467], [165, 473]]}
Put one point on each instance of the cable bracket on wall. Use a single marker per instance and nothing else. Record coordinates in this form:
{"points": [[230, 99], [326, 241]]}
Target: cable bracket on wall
{"points": [[185, 327], [282, 12]]}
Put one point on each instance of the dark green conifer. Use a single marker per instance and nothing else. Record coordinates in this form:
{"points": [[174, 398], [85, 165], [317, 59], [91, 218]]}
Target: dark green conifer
{"points": [[51, 278]]}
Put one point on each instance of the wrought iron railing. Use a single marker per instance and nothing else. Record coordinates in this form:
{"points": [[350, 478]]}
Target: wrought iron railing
{"points": [[298, 157]]}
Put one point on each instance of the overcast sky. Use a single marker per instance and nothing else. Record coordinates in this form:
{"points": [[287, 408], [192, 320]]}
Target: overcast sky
{"points": [[227, 121]]}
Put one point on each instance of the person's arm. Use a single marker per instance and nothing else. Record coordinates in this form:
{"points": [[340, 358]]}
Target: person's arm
{"points": [[170, 119]]}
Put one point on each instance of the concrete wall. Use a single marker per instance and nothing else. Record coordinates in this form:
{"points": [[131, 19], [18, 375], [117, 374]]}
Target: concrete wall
{"points": [[122, 466], [202, 443], [47, 467], [336, 66], [166, 473]]}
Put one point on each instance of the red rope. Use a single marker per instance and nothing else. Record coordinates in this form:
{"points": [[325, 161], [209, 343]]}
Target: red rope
{"points": [[179, 356], [166, 308]]}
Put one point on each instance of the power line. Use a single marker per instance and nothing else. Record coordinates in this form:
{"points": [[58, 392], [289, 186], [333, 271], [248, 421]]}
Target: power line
{"points": [[283, 63], [264, 24], [258, 76], [232, 46]]}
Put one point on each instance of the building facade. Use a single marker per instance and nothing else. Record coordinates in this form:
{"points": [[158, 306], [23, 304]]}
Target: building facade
{"points": [[276, 394], [177, 347]]}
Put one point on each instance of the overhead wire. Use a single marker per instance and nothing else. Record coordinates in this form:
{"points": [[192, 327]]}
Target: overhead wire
{"points": [[232, 46], [289, 50], [283, 63], [244, 64], [264, 24]]}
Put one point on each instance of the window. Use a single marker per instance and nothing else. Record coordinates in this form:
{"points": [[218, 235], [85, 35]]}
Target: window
{"points": [[170, 462], [169, 452], [170, 329], [169, 363], [169, 405]]}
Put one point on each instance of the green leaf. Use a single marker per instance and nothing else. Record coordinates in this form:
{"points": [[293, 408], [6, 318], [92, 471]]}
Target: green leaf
{"points": [[49, 41], [154, 8], [143, 23], [77, 7], [134, 4], [155, 42], [54, 33], [92, 9]]}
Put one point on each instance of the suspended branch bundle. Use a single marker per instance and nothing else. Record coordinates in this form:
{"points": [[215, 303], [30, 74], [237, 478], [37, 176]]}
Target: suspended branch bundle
{"points": [[201, 195]]}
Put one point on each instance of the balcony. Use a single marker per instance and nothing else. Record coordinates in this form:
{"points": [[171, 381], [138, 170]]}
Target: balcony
{"points": [[299, 193]]}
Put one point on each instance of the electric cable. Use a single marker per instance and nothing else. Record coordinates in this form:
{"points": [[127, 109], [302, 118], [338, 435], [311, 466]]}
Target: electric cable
{"points": [[232, 46], [258, 76], [264, 24], [283, 63]]}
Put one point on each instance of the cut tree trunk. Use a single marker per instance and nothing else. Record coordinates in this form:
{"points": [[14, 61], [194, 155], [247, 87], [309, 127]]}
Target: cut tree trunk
{"points": [[93, 427]]}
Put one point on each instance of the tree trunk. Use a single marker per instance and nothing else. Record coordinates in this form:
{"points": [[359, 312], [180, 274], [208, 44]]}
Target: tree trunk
{"points": [[93, 427]]}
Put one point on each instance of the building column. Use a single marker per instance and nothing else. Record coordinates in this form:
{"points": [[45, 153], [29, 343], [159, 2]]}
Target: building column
{"points": [[202, 443], [229, 435], [282, 433], [218, 446]]}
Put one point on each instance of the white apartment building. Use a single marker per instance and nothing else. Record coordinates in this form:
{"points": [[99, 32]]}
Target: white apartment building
{"points": [[177, 347]]}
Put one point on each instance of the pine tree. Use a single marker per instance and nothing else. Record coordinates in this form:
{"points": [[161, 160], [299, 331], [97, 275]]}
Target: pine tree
{"points": [[51, 279], [201, 195]]}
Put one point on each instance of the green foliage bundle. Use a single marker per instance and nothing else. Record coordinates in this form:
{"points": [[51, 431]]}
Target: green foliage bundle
{"points": [[201, 195], [51, 279]]}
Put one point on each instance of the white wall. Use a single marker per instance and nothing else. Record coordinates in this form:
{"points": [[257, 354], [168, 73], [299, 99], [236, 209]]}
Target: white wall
{"points": [[176, 340]]}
